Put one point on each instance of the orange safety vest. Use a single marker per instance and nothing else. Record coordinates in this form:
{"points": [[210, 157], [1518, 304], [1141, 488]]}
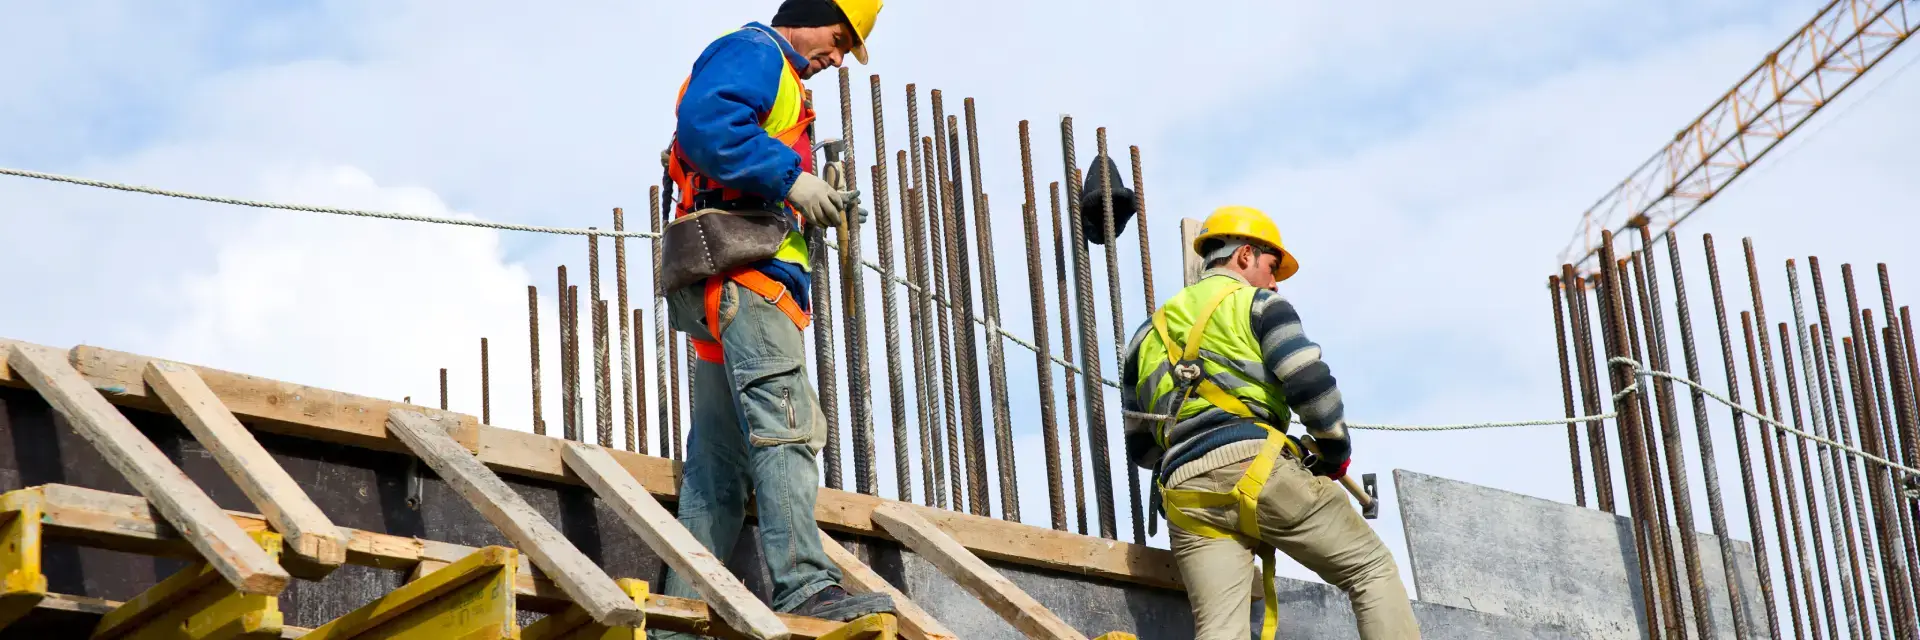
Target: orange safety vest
{"points": [[791, 122]]}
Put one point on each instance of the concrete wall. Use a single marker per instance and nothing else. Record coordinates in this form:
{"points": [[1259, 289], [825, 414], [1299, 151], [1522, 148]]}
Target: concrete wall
{"points": [[1504, 553]]}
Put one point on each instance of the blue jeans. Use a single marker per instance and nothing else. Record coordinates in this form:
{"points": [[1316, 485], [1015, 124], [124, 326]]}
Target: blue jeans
{"points": [[757, 429]]}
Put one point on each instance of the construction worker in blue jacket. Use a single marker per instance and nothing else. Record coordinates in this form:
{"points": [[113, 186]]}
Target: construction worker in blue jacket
{"points": [[743, 145], [1225, 365]]}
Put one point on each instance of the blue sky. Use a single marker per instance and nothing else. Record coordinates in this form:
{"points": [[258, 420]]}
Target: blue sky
{"points": [[1426, 162]]}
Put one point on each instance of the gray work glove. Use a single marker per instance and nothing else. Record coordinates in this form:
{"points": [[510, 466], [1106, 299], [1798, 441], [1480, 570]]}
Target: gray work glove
{"points": [[823, 205], [835, 175]]}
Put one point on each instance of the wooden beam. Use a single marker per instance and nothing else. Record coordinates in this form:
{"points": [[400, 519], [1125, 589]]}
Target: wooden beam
{"points": [[319, 414], [993, 589], [859, 578], [308, 532], [119, 522], [225, 546], [663, 534], [575, 624], [589, 585]]}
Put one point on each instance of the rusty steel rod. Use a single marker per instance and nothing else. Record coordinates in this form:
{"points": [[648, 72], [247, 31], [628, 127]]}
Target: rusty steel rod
{"points": [[597, 334], [826, 371], [1649, 453], [626, 327], [443, 388], [979, 497], [1838, 422], [1716, 509], [1112, 253], [1901, 437], [966, 411], [486, 391], [1812, 361], [533, 355], [1566, 391], [854, 317], [1043, 368], [566, 357], [1619, 377], [1882, 480], [1141, 229], [1582, 327], [928, 383], [1848, 352], [637, 439], [1070, 418], [1675, 452], [1886, 610], [1780, 467], [1089, 340], [1826, 598], [661, 337], [883, 235], [1004, 461], [948, 472], [603, 391]]}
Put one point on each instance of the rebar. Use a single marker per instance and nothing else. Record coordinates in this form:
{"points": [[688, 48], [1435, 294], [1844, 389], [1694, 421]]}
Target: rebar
{"points": [[1112, 253], [443, 389], [996, 347], [1886, 609], [854, 318], [603, 393], [1849, 490], [960, 274], [948, 473], [1780, 472], [1812, 361], [626, 329], [486, 392], [1089, 340], [1140, 229], [566, 358], [1576, 295], [896, 384], [1043, 369], [637, 439], [573, 358], [1649, 453], [533, 355], [1848, 352], [927, 382], [1566, 391], [1675, 449], [1882, 480], [1716, 510], [1826, 599], [1070, 417], [1756, 524], [1901, 441], [660, 339], [1617, 345]]}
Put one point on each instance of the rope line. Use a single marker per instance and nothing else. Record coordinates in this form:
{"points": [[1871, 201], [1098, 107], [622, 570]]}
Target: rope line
{"points": [[1639, 371]]}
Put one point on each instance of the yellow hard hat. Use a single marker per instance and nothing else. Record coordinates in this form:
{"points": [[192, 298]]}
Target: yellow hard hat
{"points": [[1247, 223], [860, 14]]}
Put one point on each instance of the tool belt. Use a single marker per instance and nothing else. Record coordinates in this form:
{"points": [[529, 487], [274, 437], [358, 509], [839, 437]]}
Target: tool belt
{"points": [[714, 242], [1245, 498]]}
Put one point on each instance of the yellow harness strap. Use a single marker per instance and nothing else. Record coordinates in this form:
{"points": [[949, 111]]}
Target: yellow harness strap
{"points": [[1246, 499], [1178, 354]]}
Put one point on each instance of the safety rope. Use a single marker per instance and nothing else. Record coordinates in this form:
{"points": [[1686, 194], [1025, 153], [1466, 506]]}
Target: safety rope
{"points": [[1640, 372]]}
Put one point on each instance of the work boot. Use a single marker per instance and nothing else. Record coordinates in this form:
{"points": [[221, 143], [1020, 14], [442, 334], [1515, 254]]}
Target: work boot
{"points": [[834, 603]]}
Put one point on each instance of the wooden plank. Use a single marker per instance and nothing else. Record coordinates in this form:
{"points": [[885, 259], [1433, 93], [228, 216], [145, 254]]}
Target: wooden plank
{"points": [[1190, 263], [859, 578], [590, 586], [127, 523], [319, 414], [265, 404], [68, 604], [663, 534], [194, 603], [308, 532], [225, 546], [972, 573], [7, 379], [469, 600]]}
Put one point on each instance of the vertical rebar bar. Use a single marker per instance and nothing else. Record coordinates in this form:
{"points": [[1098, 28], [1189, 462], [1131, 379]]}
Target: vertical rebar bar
{"points": [[533, 355], [1112, 252], [1838, 423], [1716, 510], [854, 316], [1141, 229], [1089, 340], [1887, 610], [637, 439], [1566, 391], [660, 338], [1766, 448], [966, 408], [1043, 367], [927, 383], [1882, 480], [1070, 418], [1901, 444], [1826, 599], [1649, 452], [826, 371], [1812, 362], [1675, 449], [1582, 328], [968, 364], [566, 377], [1780, 473], [573, 362], [896, 384], [602, 380], [1849, 353], [486, 391], [1756, 524], [996, 347], [947, 468], [1620, 376], [626, 328]]}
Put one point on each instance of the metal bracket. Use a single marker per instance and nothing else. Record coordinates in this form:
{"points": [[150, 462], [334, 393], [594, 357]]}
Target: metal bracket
{"points": [[22, 585], [576, 624], [472, 599], [1370, 483], [416, 487], [878, 626], [197, 603]]}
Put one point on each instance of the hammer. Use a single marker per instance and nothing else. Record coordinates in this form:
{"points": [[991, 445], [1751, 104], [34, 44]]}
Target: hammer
{"points": [[1366, 490]]}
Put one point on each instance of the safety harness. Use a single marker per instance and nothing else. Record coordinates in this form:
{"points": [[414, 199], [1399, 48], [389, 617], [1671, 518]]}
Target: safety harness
{"points": [[752, 280], [1189, 374]]}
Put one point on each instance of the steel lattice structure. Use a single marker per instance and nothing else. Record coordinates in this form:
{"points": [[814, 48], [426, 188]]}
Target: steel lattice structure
{"points": [[1794, 82]]}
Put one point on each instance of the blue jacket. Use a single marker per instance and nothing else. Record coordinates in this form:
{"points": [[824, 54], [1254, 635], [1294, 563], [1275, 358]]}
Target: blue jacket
{"points": [[733, 85]]}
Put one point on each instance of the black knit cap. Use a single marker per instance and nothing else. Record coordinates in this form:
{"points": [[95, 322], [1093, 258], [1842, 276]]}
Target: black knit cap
{"points": [[808, 13]]}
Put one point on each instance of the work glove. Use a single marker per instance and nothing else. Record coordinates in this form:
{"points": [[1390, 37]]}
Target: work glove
{"points": [[822, 205], [1328, 457]]}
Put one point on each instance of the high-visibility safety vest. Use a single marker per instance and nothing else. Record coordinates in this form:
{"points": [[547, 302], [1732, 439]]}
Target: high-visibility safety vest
{"points": [[1204, 355], [791, 122]]}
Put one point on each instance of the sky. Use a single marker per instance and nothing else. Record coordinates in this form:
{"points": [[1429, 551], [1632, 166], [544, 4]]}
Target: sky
{"points": [[1425, 162]]}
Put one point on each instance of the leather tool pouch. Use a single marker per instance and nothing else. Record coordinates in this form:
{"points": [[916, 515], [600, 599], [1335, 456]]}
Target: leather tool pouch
{"points": [[712, 242]]}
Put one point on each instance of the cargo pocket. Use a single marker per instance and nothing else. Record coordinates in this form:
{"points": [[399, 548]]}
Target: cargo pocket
{"points": [[775, 402]]}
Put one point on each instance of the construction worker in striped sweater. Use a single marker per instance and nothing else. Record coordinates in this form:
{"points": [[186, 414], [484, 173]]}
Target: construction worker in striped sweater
{"points": [[735, 273], [1224, 364]]}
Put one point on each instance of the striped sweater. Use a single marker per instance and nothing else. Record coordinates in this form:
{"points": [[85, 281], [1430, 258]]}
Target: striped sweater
{"points": [[1215, 438]]}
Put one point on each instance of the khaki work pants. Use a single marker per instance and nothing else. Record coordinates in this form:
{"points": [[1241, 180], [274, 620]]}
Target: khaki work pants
{"points": [[1310, 520]]}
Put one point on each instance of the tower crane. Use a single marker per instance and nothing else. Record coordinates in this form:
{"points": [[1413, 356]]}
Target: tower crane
{"points": [[1794, 82]]}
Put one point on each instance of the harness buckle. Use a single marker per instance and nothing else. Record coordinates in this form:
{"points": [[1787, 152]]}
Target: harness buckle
{"points": [[1188, 372]]}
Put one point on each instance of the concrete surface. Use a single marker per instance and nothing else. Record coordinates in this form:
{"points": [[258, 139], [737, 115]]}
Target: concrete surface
{"points": [[1503, 553]]}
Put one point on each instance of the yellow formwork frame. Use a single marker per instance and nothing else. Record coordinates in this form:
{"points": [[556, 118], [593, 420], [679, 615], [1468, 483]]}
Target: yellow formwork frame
{"points": [[576, 624], [22, 585], [1117, 635], [472, 599], [197, 603], [879, 626]]}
